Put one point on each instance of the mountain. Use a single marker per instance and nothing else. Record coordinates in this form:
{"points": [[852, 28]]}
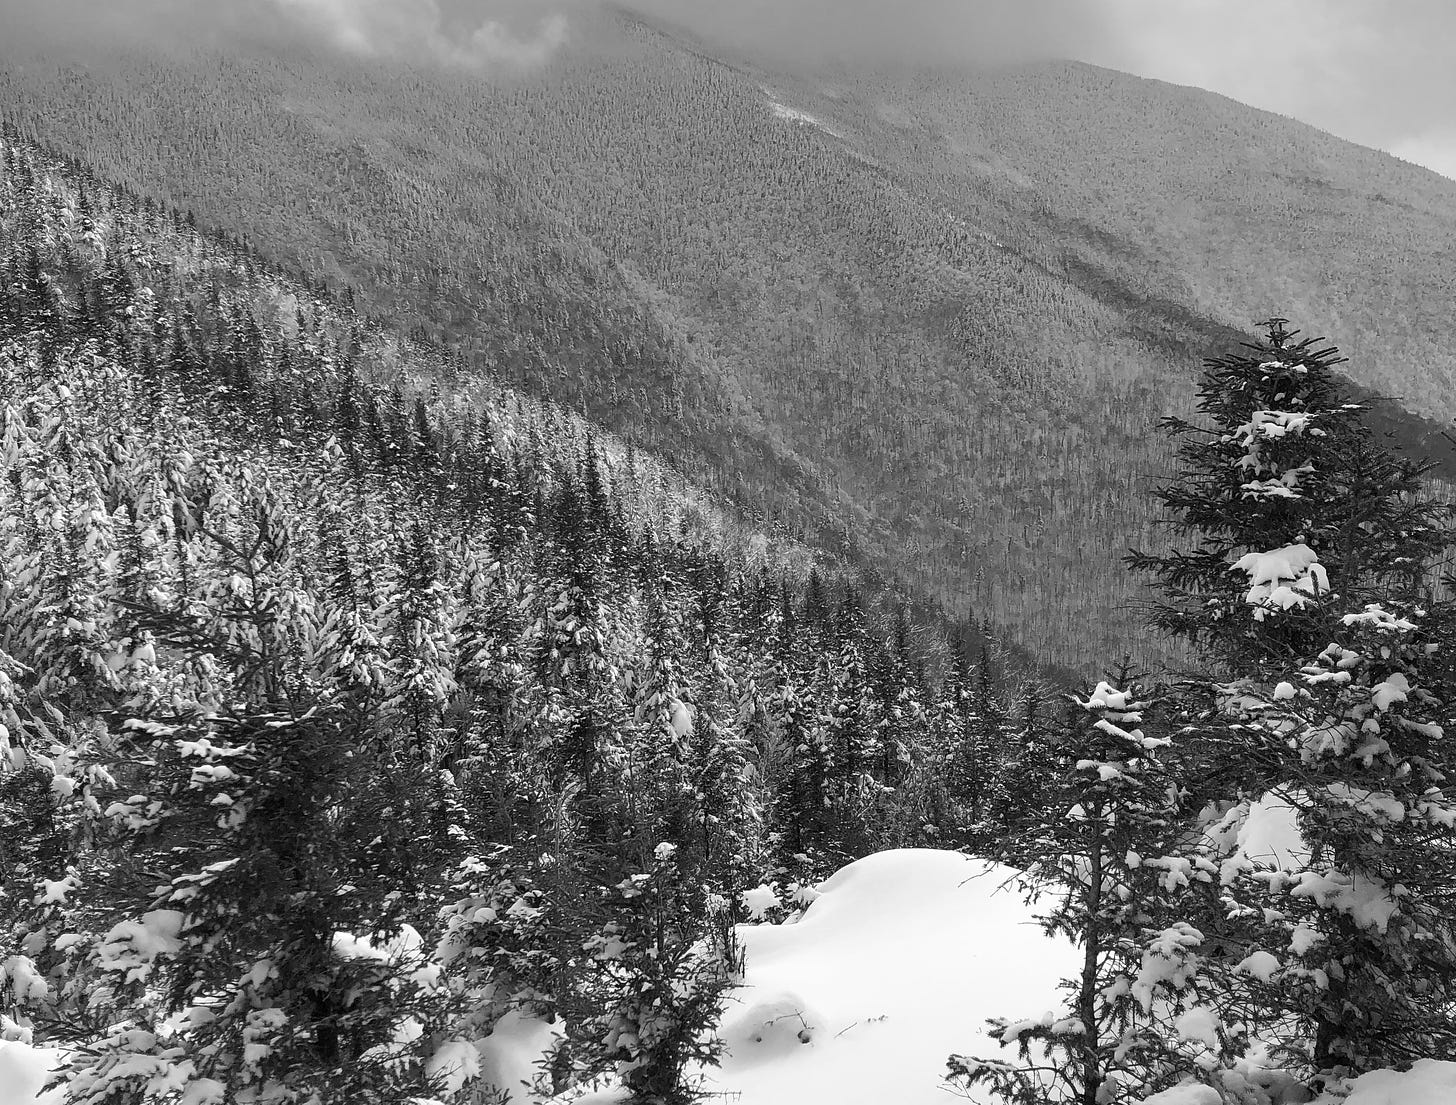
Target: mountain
{"points": [[927, 321]]}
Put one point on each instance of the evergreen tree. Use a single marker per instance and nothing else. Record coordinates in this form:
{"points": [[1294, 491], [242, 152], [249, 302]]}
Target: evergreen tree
{"points": [[1098, 856], [1309, 592], [262, 834], [664, 959]]}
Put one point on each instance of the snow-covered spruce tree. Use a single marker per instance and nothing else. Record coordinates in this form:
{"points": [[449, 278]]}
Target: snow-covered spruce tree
{"points": [[1024, 761], [1347, 937], [656, 771], [962, 770], [728, 833], [1306, 588], [420, 620], [1098, 853]]}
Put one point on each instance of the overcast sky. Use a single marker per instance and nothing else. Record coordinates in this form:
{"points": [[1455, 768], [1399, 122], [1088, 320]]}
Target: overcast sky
{"points": [[1379, 72]]}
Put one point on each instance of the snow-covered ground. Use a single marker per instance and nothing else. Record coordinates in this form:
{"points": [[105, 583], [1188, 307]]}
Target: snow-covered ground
{"points": [[23, 1071], [895, 966], [892, 969]]}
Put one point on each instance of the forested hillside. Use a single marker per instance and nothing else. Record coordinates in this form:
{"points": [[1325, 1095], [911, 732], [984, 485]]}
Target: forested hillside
{"points": [[923, 321], [377, 727], [912, 319]]}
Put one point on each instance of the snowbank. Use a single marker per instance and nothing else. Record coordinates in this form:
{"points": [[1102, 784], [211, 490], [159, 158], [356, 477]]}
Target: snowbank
{"points": [[1429, 1082], [1270, 836], [892, 969], [23, 1071]]}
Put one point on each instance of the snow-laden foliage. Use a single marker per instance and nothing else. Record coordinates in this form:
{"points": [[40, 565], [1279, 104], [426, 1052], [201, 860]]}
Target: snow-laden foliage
{"points": [[1328, 943], [1102, 855]]}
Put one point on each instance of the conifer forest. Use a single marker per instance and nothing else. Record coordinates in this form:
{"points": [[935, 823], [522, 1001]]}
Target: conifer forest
{"points": [[471, 643]]}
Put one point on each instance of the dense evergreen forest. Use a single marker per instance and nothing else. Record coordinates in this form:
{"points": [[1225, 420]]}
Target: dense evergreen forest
{"points": [[884, 316]]}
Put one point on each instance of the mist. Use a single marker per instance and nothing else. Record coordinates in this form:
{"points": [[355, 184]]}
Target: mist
{"points": [[1358, 68], [463, 33], [528, 32], [891, 32]]}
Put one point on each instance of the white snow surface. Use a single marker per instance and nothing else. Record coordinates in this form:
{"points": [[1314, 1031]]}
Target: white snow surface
{"points": [[893, 968], [23, 1071], [508, 1056], [1428, 1082], [1191, 1094], [1270, 834], [1264, 833], [796, 116], [793, 114]]}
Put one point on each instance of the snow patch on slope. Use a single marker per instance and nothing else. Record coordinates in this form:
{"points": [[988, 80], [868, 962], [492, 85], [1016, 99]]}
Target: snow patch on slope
{"points": [[1428, 1082], [799, 118]]}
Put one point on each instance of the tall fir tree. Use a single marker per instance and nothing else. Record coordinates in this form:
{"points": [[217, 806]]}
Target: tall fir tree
{"points": [[1308, 590]]}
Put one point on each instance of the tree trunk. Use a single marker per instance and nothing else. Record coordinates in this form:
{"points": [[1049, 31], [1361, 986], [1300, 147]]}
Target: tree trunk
{"points": [[1091, 949]]}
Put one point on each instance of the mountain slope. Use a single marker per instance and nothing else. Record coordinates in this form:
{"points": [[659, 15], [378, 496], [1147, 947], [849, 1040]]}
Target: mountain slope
{"points": [[929, 321], [1194, 197]]}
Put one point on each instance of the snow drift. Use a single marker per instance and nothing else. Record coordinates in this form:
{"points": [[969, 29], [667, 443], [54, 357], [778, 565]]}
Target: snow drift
{"points": [[896, 965]]}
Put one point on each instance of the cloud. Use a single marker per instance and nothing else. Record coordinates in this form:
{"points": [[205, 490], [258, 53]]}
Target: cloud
{"points": [[462, 34], [1366, 70], [889, 32], [470, 33]]}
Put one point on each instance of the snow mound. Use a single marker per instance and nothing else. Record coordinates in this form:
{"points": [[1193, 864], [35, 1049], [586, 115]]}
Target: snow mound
{"points": [[508, 1056], [1282, 578], [770, 1028], [23, 1072], [1428, 1082], [895, 966], [1270, 835]]}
